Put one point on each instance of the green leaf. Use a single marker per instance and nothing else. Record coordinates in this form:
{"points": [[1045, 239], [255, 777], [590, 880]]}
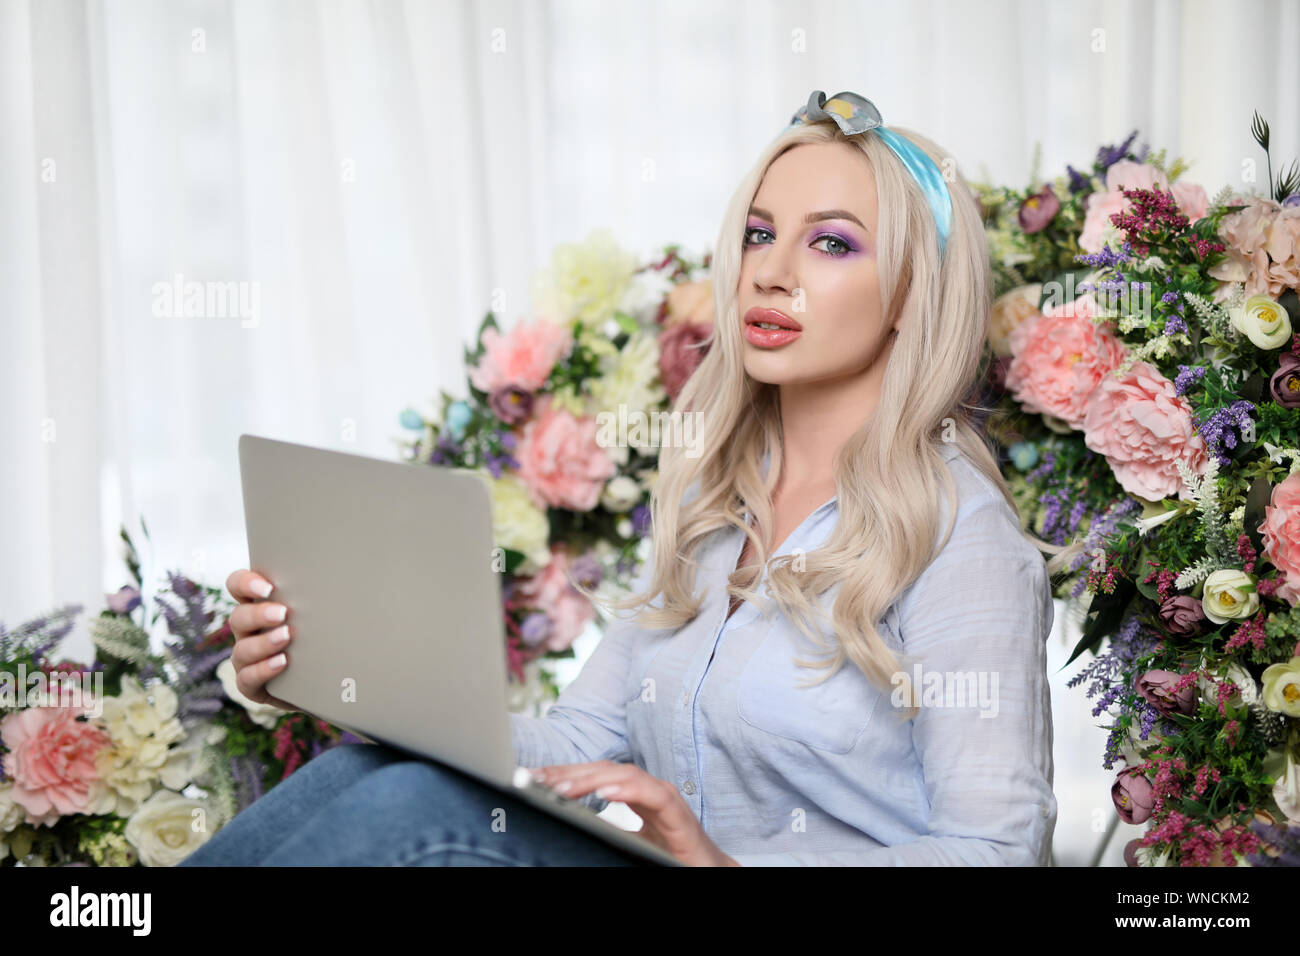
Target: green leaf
{"points": [[513, 559], [1259, 495], [1109, 611]]}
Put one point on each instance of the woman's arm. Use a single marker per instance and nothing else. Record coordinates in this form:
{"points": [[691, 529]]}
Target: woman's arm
{"points": [[588, 721], [983, 606]]}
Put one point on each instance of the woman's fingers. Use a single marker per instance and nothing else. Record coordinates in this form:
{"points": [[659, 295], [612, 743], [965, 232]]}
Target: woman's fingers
{"points": [[249, 619], [246, 586], [261, 634]]}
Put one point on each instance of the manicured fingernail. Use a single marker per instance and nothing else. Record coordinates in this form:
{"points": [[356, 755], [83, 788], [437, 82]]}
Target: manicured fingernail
{"points": [[604, 792], [562, 786], [261, 587], [275, 612], [280, 635], [278, 661]]}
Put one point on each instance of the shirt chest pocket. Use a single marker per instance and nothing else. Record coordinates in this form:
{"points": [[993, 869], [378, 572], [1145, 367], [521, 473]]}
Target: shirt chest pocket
{"points": [[830, 716]]}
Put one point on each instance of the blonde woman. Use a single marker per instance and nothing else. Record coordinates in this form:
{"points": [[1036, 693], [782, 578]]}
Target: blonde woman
{"points": [[838, 652]]}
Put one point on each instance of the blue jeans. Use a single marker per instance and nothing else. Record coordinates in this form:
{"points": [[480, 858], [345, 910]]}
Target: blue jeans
{"points": [[371, 805]]}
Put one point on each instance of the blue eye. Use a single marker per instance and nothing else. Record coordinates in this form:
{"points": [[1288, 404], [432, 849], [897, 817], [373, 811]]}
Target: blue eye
{"points": [[745, 238], [838, 241]]}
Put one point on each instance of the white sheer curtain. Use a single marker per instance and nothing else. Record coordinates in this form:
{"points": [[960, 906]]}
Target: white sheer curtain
{"points": [[380, 173]]}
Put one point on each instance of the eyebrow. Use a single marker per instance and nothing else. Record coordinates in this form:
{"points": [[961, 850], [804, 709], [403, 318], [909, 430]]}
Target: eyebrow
{"points": [[813, 216]]}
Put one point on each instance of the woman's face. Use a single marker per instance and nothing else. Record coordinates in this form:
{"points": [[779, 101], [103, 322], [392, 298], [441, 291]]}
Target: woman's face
{"points": [[820, 274]]}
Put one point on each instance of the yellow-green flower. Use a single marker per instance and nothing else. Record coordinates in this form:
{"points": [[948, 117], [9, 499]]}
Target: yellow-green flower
{"points": [[518, 524], [1263, 321], [1229, 596], [1282, 687], [584, 281]]}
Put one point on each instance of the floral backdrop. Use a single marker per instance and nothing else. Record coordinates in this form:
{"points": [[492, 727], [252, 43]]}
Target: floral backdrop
{"points": [[1142, 386]]}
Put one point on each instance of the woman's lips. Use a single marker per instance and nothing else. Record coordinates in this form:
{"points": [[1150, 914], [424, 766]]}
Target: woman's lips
{"points": [[770, 338]]}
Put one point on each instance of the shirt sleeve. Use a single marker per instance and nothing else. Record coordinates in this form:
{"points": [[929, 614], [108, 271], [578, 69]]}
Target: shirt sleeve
{"points": [[588, 721], [984, 605]]}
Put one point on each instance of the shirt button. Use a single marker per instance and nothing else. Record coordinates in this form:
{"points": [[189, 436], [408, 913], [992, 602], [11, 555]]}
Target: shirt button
{"points": [[686, 698], [1045, 810], [688, 788]]}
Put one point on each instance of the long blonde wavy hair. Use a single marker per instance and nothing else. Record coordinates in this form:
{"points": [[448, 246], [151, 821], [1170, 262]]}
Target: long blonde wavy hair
{"points": [[888, 475]]}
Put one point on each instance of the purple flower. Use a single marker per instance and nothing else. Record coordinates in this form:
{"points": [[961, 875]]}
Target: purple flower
{"points": [[1188, 375], [640, 520], [586, 570], [1078, 180], [1156, 688], [1133, 795], [1039, 210], [511, 404], [1285, 383], [536, 629], [126, 600], [1220, 430], [1182, 615]]}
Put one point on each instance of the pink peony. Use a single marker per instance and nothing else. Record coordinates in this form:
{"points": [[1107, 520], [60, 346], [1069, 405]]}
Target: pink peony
{"points": [[523, 358], [560, 462], [1143, 427], [1191, 199], [1281, 531], [549, 591], [51, 761], [680, 353], [1125, 174], [1059, 359]]}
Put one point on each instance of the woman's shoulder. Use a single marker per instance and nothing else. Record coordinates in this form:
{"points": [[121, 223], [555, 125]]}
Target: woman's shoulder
{"points": [[986, 523]]}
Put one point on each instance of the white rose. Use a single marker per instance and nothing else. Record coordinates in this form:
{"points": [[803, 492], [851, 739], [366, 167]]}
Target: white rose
{"points": [[1263, 321], [166, 829], [1133, 748], [621, 494], [1229, 595], [265, 715]]}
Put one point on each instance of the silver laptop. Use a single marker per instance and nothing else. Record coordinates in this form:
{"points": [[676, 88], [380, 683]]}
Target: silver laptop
{"points": [[395, 610]]}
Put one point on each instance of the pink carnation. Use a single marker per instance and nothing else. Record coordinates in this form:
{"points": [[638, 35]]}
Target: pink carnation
{"points": [[550, 592], [51, 761], [1059, 358], [560, 462], [523, 358], [1143, 427], [1281, 531]]}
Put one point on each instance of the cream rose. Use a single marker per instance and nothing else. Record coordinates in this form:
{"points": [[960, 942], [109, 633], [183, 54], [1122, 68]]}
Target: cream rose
{"points": [[1009, 311], [1229, 595], [621, 494], [166, 829], [141, 753], [1282, 687], [1263, 321], [264, 715]]}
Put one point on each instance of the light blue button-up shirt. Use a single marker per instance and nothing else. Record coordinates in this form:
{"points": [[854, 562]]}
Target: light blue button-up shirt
{"points": [[780, 774]]}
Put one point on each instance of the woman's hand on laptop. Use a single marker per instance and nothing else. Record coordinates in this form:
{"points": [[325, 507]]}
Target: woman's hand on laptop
{"points": [[667, 821], [261, 635]]}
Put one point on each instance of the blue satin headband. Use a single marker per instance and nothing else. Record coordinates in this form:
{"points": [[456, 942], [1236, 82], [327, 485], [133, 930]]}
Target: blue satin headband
{"points": [[857, 114]]}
